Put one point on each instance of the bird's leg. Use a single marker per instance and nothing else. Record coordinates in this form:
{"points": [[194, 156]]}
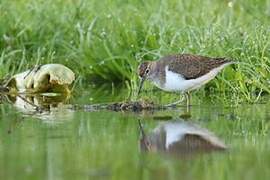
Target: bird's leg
{"points": [[177, 102], [187, 95], [187, 114]]}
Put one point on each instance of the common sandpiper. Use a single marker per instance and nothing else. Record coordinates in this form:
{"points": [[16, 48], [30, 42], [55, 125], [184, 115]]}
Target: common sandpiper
{"points": [[181, 73]]}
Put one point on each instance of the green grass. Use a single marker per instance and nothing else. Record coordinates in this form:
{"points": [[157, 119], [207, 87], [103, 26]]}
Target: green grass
{"points": [[104, 41]]}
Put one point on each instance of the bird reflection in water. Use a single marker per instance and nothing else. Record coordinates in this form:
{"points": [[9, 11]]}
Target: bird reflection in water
{"points": [[180, 138]]}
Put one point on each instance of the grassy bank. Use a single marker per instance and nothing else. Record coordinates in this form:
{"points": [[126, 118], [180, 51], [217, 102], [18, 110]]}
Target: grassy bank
{"points": [[103, 41]]}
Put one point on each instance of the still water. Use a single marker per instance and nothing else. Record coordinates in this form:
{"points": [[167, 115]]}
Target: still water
{"points": [[217, 142]]}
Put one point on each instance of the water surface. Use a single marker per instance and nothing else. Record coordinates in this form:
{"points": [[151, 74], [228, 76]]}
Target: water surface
{"points": [[64, 143]]}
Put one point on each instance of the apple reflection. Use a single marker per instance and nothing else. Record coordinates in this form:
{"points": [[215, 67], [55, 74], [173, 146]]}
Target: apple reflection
{"points": [[48, 107]]}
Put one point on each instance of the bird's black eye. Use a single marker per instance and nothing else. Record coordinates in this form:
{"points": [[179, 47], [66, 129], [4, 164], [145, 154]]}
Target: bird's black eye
{"points": [[146, 71]]}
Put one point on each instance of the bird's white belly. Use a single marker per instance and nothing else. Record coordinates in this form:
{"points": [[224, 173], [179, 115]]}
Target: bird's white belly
{"points": [[176, 82]]}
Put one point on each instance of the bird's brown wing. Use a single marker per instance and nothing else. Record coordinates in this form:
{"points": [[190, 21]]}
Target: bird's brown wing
{"points": [[192, 66]]}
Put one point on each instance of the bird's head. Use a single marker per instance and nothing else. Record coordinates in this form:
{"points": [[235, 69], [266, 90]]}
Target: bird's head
{"points": [[144, 71]]}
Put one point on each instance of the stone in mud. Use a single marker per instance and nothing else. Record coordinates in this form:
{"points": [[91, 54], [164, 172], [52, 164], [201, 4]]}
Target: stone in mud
{"points": [[132, 105]]}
